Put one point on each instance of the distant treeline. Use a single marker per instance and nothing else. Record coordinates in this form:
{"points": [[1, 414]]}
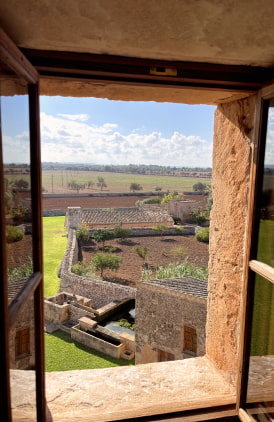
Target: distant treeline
{"points": [[130, 168]]}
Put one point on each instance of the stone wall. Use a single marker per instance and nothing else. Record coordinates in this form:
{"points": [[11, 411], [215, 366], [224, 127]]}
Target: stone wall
{"points": [[232, 157], [54, 213], [100, 291], [160, 317], [183, 209]]}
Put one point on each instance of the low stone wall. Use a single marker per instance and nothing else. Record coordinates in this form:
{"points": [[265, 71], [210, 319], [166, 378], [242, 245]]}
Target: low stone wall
{"points": [[171, 231], [100, 291], [96, 343], [54, 213]]}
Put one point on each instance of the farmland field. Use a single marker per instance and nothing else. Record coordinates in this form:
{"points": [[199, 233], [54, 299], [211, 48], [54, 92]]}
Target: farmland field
{"points": [[56, 181]]}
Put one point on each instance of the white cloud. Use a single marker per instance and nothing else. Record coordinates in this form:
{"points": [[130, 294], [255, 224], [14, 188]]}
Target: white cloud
{"points": [[68, 140], [79, 117]]}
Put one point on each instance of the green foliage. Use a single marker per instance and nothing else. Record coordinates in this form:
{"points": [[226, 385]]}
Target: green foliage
{"points": [[179, 228], [103, 261], [82, 234], [160, 228], [176, 271], [110, 249], [158, 189], [152, 200], [134, 187], [21, 184], [120, 232], [199, 215], [101, 182], [203, 235], [176, 219], [141, 252], [171, 196], [21, 214], [179, 252], [76, 186], [23, 271], [102, 235], [64, 354], [200, 187], [81, 269], [123, 322], [13, 234]]}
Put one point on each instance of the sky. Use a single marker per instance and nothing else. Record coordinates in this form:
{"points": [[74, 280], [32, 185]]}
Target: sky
{"points": [[100, 131]]}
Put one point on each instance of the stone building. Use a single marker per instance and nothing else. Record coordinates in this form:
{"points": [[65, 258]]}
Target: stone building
{"points": [[141, 216], [170, 319]]}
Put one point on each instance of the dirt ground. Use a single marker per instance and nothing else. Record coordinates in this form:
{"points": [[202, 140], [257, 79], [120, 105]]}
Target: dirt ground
{"points": [[161, 251], [99, 202]]}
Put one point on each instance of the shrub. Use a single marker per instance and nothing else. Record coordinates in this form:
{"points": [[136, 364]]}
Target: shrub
{"points": [[21, 214], [81, 269], [141, 252], [158, 188], [179, 228], [121, 233], [102, 235], [23, 271], [199, 215], [203, 235], [170, 196], [13, 234], [82, 234], [160, 228], [176, 219], [152, 200], [176, 271], [179, 252], [102, 261]]}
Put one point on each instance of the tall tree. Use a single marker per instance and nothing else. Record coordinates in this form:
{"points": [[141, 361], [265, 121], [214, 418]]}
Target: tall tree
{"points": [[101, 182]]}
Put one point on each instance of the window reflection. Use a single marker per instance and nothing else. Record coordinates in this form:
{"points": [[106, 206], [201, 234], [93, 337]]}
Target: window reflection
{"points": [[17, 194], [266, 228]]}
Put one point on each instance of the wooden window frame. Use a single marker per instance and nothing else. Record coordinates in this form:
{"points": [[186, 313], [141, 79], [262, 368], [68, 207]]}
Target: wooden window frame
{"points": [[252, 265], [13, 59], [187, 330], [22, 343]]}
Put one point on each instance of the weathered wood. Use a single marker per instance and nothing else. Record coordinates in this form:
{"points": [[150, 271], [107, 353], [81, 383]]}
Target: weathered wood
{"points": [[264, 270]]}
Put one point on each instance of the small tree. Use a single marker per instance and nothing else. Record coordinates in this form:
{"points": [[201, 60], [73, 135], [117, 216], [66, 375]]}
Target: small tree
{"points": [[158, 188], [134, 187], [160, 228], [21, 184], [102, 235], [101, 182], [120, 232], [141, 252], [170, 196], [200, 187], [82, 234], [103, 261]]}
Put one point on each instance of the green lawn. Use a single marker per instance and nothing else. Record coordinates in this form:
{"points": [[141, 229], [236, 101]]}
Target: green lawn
{"points": [[54, 246], [63, 354]]}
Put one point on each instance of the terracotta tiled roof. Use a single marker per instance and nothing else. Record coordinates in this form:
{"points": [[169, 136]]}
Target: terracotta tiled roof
{"points": [[187, 285], [125, 215]]}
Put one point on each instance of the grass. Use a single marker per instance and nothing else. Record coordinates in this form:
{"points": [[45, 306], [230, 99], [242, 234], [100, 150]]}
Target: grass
{"points": [[54, 246], [63, 354], [116, 182]]}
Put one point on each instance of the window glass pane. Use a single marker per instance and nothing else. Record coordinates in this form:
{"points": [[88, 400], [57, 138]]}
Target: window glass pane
{"points": [[16, 157], [266, 228], [22, 361], [261, 370]]}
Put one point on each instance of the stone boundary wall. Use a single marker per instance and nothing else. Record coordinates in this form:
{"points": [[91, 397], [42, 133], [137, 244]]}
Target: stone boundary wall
{"points": [[171, 231], [54, 213], [100, 291], [100, 194]]}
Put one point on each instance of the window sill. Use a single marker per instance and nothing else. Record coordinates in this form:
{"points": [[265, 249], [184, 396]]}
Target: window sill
{"points": [[125, 392]]}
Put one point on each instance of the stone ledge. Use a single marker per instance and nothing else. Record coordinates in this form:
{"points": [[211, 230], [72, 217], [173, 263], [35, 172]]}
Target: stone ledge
{"points": [[125, 392]]}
